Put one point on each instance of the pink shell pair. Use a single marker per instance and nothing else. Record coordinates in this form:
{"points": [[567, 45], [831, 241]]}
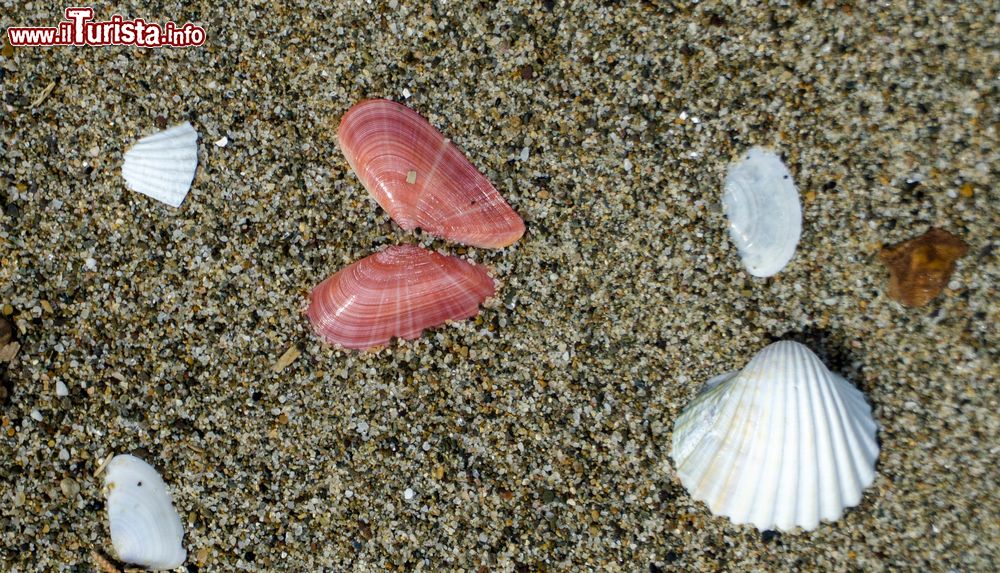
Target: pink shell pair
{"points": [[423, 181]]}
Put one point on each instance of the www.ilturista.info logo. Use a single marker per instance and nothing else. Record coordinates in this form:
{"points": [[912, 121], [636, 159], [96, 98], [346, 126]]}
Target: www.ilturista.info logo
{"points": [[79, 29]]}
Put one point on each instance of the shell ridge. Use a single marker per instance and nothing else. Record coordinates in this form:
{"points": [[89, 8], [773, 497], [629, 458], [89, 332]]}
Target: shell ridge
{"points": [[791, 468], [687, 434], [423, 203], [181, 130], [728, 454], [776, 437], [831, 503], [784, 443], [144, 166], [852, 482], [150, 183], [162, 166], [145, 517], [767, 507], [857, 403], [694, 466], [764, 434], [730, 486], [145, 149], [826, 465], [809, 517], [865, 429]]}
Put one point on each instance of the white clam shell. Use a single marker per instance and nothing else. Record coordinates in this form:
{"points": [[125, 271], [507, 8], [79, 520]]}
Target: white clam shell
{"points": [[145, 527], [782, 443], [765, 217], [162, 165]]}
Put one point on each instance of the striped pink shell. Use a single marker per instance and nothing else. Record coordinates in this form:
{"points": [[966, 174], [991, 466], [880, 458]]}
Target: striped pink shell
{"points": [[421, 179], [397, 292]]}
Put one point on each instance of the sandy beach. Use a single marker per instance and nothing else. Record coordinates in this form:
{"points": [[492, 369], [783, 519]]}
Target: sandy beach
{"points": [[536, 436]]}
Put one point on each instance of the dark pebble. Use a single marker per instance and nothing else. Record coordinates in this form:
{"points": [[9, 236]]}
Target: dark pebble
{"points": [[6, 331]]}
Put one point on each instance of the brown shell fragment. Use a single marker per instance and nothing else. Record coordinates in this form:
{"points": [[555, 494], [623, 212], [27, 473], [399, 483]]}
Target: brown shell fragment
{"points": [[919, 268]]}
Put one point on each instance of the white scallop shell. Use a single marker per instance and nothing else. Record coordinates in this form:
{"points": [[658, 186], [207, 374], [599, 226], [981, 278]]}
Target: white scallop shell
{"points": [[162, 165], [145, 527], [782, 443], [765, 217]]}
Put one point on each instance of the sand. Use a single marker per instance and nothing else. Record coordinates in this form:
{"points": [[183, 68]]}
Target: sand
{"points": [[535, 437]]}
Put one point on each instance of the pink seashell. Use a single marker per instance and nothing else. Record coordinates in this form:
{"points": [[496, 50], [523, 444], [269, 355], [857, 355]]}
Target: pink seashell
{"points": [[397, 292], [421, 179]]}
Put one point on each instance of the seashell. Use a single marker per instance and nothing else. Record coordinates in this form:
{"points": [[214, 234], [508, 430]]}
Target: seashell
{"points": [[421, 179], [145, 527], [765, 217], [397, 292], [162, 165], [919, 269], [782, 443]]}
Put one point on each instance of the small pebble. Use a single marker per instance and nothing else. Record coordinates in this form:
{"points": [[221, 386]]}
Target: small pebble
{"points": [[61, 389], [69, 487], [6, 332], [290, 355]]}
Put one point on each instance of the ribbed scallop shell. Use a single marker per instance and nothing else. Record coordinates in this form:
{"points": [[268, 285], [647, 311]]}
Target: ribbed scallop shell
{"points": [[145, 527], [162, 165], [765, 217], [397, 292], [421, 179], [782, 443]]}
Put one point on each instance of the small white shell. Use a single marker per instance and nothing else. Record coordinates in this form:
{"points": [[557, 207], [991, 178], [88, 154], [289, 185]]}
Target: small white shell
{"points": [[765, 217], [145, 527], [162, 165], [782, 443]]}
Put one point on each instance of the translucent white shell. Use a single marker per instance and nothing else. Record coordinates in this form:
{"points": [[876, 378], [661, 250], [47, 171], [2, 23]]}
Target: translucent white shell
{"points": [[765, 217], [782, 443], [145, 527], [162, 165]]}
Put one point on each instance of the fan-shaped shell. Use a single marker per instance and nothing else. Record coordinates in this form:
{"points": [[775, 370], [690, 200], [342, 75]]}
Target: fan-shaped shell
{"points": [[162, 165], [145, 527], [765, 217], [421, 179], [397, 292], [782, 443]]}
